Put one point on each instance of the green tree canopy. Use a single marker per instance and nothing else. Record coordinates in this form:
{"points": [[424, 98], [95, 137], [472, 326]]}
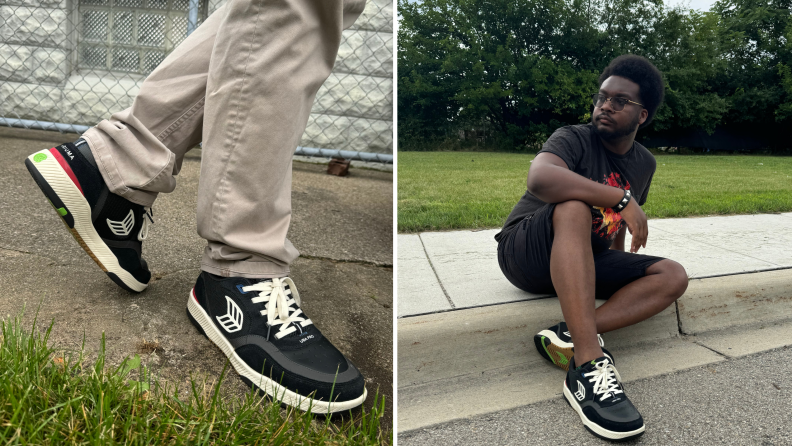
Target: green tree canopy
{"points": [[525, 68]]}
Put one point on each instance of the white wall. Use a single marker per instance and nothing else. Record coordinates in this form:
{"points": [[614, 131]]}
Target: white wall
{"points": [[353, 109]]}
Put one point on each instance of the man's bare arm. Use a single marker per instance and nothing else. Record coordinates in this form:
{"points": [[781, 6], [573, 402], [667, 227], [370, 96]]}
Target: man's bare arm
{"points": [[550, 180]]}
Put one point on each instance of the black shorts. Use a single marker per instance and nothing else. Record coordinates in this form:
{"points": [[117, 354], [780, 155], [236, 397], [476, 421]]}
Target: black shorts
{"points": [[524, 258]]}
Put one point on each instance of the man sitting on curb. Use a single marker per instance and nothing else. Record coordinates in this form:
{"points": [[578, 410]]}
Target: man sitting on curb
{"points": [[566, 236]]}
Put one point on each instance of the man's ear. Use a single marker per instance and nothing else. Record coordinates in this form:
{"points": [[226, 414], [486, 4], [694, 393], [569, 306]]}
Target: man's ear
{"points": [[644, 116]]}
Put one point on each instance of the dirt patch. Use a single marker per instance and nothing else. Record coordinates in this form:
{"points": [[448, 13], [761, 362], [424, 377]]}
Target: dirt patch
{"points": [[147, 347]]}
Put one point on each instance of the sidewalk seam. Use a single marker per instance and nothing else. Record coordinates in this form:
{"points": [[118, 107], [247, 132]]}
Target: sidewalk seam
{"points": [[439, 282]]}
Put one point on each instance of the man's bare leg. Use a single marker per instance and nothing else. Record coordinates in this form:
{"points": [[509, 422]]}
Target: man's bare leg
{"points": [[665, 282], [573, 275], [572, 272]]}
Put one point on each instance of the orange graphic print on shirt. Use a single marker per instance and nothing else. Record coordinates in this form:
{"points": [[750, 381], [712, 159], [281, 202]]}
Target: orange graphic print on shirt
{"points": [[606, 222]]}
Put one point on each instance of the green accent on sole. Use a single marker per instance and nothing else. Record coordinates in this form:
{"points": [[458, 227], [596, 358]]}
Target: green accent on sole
{"points": [[548, 352], [39, 157], [63, 212], [562, 358]]}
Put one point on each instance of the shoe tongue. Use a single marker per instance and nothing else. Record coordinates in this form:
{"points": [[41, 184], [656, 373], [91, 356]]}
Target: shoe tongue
{"points": [[247, 282], [300, 330], [591, 364], [613, 398]]}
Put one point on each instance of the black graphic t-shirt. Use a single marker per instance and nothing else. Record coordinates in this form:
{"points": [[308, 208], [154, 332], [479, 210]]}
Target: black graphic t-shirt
{"points": [[583, 152]]}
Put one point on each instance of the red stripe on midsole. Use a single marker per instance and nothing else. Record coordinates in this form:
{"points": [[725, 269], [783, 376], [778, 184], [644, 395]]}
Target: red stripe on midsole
{"points": [[193, 294], [66, 168]]}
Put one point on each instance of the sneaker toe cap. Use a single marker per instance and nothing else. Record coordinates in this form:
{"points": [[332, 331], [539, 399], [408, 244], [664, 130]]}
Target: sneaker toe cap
{"points": [[621, 417], [321, 356], [327, 386]]}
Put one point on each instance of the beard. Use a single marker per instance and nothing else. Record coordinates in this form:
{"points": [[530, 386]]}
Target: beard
{"points": [[612, 133]]}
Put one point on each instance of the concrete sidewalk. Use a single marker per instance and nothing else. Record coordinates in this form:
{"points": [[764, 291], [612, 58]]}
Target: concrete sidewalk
{"points": [[342, 227], [441, 271], [466, 334]]}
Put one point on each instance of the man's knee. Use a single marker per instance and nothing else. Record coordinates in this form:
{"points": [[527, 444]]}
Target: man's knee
{"points": [[572, 210], [676, 277]]}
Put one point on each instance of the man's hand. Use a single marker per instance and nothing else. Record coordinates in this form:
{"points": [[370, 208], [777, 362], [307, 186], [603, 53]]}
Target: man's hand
{"points": [[635, 218]]}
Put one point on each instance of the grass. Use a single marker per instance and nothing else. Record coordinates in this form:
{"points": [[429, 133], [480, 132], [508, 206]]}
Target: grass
{"points": [[468, 190], [49, 398]]}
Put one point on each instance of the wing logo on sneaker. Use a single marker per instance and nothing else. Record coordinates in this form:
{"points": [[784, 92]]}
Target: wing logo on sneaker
{"points": [[566, 333], [580, 394], [232, 320], [561, 358], [124, 227]]}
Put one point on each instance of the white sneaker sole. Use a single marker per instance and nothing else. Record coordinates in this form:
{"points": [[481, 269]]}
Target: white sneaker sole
{"points": [[561, 344], [272, 388], [555, 339], [595, 428], [83, 230]]}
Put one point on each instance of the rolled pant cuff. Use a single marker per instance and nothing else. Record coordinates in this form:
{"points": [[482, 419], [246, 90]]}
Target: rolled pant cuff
{"points": [[109, 170], [248, 269]]}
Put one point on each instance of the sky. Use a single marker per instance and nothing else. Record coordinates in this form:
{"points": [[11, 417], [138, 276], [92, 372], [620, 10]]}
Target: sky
{"points": [[701, 5]]}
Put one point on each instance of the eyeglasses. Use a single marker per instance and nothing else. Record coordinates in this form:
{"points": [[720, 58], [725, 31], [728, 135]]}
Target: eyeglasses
{"points": [[618, 104]]}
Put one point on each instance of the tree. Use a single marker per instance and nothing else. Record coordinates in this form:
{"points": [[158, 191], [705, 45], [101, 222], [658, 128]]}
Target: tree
{"points": [[529, 67]]}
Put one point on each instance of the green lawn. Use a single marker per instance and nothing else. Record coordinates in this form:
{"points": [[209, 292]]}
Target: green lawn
{"points": [[48, 398], [465, 190]]}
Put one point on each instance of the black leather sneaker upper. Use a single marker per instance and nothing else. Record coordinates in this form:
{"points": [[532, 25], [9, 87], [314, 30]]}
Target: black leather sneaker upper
{"points": [[110, 211], [303, 361], [562, 331], [605, 404]]}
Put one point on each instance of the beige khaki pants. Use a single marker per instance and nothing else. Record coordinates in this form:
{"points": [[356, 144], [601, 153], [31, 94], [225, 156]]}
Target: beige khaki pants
{"points": [[243, 84]]}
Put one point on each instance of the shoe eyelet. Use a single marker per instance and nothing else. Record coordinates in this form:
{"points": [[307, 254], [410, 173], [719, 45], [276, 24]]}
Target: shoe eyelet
{"points": [[239, 287]]}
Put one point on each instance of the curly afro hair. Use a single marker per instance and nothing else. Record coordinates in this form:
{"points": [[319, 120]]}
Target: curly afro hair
{"points": [[639, 70]]}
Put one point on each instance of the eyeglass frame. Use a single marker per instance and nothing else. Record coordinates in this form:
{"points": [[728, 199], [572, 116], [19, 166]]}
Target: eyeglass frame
{"points": [[610, 99]]}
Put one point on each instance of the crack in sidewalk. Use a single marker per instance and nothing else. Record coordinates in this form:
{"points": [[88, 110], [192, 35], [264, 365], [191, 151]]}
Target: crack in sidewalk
{"points": [[679, 319], [358, 262], [55, 262]]}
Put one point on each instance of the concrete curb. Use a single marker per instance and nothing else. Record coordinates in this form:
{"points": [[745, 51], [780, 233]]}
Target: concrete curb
{"points": [[464, 363], [722, 302]]}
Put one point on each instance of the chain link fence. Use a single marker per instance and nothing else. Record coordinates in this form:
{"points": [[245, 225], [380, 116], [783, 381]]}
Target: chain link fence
{"points": [[67, 64]]}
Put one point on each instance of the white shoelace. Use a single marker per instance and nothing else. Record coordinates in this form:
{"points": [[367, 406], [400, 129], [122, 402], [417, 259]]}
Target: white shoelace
{"points": [[606, 379], [143, 234], [278, 305]]}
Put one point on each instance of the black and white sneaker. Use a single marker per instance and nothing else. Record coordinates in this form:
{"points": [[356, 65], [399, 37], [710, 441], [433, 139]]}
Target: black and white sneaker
{"points": [[108, 227], [595, 392], [259, 326], [555, 345]]}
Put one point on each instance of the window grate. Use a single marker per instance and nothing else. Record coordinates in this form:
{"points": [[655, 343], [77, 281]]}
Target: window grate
{"points": [[131, 36]]}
